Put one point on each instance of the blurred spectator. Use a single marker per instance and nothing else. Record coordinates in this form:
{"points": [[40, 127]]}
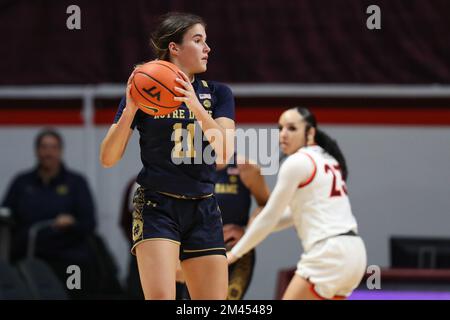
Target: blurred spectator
{"points": [[50, 191]]}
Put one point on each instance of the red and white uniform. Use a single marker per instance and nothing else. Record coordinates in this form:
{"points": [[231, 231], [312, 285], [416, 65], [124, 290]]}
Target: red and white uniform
{"points": [[311, 195]]}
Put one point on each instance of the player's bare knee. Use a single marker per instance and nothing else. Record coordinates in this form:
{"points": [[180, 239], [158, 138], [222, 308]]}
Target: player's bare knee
{"points": [[160, 295]]}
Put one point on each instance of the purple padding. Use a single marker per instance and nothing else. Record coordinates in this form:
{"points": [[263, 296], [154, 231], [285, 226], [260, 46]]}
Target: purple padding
{"points": [[398, 295]]}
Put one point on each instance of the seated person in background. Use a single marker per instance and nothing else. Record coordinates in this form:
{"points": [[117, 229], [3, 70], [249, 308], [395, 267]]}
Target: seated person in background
{"points": [[50, 191]]}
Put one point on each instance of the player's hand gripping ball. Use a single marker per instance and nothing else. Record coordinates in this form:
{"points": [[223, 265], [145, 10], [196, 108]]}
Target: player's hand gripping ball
{"points": [[153, 85]]}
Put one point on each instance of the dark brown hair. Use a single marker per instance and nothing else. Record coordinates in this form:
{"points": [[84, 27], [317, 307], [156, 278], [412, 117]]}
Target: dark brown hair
{"points": [[48, 132], [324, 140], [171, 28]]}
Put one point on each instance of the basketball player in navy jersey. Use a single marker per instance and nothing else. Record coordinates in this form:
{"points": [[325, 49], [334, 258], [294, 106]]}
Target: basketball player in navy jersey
{"points": [[176, 215], [236, 183]]}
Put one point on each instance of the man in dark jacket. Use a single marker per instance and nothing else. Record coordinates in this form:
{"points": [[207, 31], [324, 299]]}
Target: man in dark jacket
{"points": [[50, 191]]}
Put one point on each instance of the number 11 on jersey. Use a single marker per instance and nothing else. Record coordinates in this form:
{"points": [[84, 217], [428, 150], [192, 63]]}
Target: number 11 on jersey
{"points": [[179, 135]]}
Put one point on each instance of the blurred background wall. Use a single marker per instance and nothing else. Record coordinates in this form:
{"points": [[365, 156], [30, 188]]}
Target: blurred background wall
{"points": [[399, 182], [382, 94], [306, 41]]}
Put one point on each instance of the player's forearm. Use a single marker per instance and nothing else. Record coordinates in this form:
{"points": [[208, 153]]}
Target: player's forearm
{"points": [[259, 230], [114, 144], [222, 142], [269, 217], [221, 139], [253, 215], [111, 149], [285, 221]]}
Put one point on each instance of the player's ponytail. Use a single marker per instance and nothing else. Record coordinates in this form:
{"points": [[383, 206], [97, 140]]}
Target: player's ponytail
{"points": [[324, 140], [330, 145]]}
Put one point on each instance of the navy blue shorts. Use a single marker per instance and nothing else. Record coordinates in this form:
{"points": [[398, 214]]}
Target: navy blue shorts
{"points": [[194, 224]]}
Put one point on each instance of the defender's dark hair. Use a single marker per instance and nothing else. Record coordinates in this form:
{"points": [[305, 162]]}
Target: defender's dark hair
{"points": [[322, 139], [48, 132], [171, 28]]}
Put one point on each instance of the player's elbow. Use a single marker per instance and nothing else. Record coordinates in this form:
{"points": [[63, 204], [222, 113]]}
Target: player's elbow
{"points": [[226, 157], [223, 156], [109, 154], [228, 151], [107, 165], [107, 161]]}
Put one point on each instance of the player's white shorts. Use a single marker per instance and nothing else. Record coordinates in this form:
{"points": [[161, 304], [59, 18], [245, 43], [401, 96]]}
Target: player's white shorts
{"points": [[335, 266]]}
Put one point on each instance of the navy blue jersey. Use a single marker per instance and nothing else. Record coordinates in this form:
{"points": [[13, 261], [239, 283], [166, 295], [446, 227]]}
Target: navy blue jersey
{"points": [[233, 196], [172, 146]]}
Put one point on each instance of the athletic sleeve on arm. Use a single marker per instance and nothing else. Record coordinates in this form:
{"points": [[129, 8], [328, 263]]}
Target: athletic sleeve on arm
{"points": [[122, 104], [286, 220], [295, 170], [225, 102]]}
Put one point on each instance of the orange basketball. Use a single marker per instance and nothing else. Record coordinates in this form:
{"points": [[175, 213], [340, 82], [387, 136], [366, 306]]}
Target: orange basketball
{"points": [[153, 87]]}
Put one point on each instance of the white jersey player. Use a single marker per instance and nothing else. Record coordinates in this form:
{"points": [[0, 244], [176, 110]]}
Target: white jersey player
{"points": [[311, 194]]}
